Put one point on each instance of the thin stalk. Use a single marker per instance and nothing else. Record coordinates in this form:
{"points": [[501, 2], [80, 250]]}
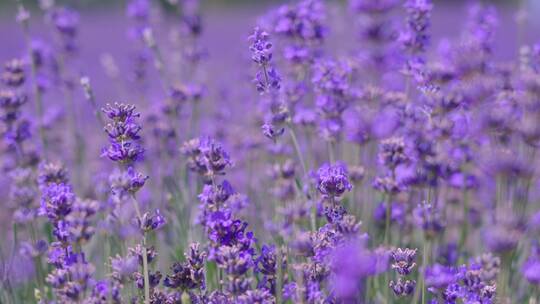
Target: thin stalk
{"points": [[330, 147], [89, 94], [219, 270], [388, 221], [297, 148], [145, 272], [421, 291], [279, 280], [144, 255], [313, 215], [158, 58], [37, 260], [79, 150], [503, 278], [425, 262], [465, 224], [37, 93]]}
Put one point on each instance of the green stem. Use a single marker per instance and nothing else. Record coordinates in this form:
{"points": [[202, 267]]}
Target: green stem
{"points": [[465, 224], [158, 58], [35, 87], [89, 94], [425, 262], [79, 149], [297, 148], [145, 272], [331, 156], [144, 255], [502, 282], [313, 215], [421, 290], [388, 221], [279, 279]]}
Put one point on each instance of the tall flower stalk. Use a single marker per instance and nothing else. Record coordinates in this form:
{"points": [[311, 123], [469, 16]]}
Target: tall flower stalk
{"points": [[124, 149]]}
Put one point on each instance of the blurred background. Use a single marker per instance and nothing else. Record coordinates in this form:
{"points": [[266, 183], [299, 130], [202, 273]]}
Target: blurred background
{"points": [[103, 43]]}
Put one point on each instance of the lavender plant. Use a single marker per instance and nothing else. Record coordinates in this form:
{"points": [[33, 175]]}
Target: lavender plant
{"points": [[359, 152]]}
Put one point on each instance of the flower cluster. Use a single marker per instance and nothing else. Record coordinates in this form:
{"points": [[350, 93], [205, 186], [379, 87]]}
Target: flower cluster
{"points": [[123, 132], [330, 79], [206, 157], [358, 140], [403, 263], [467, 283]]}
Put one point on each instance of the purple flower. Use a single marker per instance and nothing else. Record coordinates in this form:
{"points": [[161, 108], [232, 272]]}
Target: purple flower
{"points": [[303, 21], [333, 180], [259, 296], [138, 9], [415, 38], [71, 281], [531, 269], [138, 250], [331, 82], [402, 287], [350, 264], [266, 264], [236, 263], [504, 232], [57, 201], [153, 278], [123, 132], [373, 6], [10, 103], [123, 267], [267, 80], [439, 276], [188, 275], [66, 21], [52, 173], [126, 183], [427, 217], [392, 152], [206, 156], [13, 75], [261, 48], [403, 260], [397, 212], [272, 132], [150, 222], [136, 180]]}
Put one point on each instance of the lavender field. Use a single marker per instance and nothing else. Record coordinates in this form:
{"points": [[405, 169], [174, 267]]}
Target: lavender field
{"points": [[270, 152]]}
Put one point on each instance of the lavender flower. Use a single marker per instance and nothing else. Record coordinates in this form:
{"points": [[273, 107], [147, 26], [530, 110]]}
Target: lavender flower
{"points": [[13, 75], [439, 276], [188, 275], [531, 268], [427, 217], [350, 264], [150, 222], [333, 180], [57, 201], [330, 79], [392, 152], [261, 48], [123, 132], [464, 137], [402, 288], [236, 263], [66, 21], [415, 38], [403, 260], [206, 157]]}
